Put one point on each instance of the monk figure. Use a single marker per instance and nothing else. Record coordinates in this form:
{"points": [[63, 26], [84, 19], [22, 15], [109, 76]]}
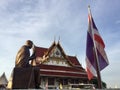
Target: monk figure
{"points": [[23, 56]]}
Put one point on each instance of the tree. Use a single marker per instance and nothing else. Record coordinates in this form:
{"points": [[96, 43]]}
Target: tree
{"points": [[95, 82]]}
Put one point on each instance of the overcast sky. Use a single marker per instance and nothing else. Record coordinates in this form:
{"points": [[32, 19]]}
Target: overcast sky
{"points": [[42, 20]]}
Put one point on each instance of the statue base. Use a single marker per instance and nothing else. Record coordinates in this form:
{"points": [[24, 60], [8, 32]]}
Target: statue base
{"points": [[24, 78]]}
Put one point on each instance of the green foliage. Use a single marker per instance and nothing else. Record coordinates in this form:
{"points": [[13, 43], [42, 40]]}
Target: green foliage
{"points": [[95, 82]]}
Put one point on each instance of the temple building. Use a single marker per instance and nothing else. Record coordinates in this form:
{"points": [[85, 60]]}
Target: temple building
{"points": [[3, 81], [57, 69]]}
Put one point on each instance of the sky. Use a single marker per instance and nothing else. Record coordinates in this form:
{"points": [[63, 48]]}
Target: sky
{"points": [[44, 21]]}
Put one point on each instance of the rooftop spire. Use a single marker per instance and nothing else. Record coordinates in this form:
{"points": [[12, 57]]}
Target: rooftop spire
{"points": [[59, 39], [54, 38]]}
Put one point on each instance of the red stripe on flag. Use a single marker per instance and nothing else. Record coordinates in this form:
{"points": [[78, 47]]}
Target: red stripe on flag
{"points": [[90, 75], [99, 40]]}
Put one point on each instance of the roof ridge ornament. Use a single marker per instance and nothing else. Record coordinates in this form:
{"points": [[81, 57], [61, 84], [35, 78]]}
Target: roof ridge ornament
{"points": [[54, 39], [59, 38]]}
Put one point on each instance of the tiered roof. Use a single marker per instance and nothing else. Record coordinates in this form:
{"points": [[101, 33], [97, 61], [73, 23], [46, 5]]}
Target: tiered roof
{"points": [[3, 79], [75, 70]]}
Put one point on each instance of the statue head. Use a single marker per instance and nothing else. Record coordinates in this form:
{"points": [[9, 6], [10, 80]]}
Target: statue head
{"points": [[29, 43]]}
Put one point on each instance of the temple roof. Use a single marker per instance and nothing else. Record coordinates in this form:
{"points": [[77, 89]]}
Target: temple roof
{"points": [[3, 79], [74, 60], [41, 51], [60, 71], [74, 68]]}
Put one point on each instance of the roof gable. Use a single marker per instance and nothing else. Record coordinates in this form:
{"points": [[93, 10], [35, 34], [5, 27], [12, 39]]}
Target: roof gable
{"points": [[3, 79], [56, 51], [56, 56]]}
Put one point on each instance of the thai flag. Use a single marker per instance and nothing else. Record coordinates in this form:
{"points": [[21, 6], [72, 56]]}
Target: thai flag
{"points": [[94, 41]]}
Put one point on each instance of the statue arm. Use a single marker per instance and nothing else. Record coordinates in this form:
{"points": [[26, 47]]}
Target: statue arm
{"points": [[33, 55]]}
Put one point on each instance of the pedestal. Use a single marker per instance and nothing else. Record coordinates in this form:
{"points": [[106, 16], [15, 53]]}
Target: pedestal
{"points": [[24, 78]]}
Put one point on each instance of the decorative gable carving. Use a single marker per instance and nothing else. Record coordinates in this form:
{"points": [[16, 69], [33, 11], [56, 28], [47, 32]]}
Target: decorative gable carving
{"points": [[56, 56], [56, 53]]}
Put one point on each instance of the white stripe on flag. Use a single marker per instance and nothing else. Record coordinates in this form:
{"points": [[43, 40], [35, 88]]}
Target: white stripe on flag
{"points": [[102, 51], [90, 67]]}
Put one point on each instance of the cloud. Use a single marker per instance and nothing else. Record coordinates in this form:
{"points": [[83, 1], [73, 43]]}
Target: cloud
{"points": [[41, 20], [38, 21], [118, 22]]}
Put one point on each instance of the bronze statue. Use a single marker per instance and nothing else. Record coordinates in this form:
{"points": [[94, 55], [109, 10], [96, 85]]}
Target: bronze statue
{"points": [[23, 56]]}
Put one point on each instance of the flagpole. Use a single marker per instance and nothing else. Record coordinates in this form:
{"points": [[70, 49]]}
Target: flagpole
{"points": [[96, 56]]}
